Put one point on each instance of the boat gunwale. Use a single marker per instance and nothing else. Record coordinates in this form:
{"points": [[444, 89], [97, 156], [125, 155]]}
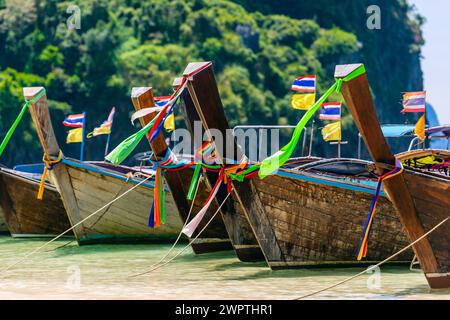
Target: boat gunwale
{"points": [[108, 172], [14, 173]]}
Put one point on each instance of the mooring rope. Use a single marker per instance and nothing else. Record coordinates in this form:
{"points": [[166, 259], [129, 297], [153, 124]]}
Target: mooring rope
{"points": [[71, 228], [377, 265], [181, 231], [99, 218], [187, 246]]}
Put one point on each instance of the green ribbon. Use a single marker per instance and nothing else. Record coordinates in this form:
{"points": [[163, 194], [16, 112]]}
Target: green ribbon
{"points": [[275, 161], [241, 175], [271, 164], [126, 147], [17, 121], [355, 73], [194, 181]]}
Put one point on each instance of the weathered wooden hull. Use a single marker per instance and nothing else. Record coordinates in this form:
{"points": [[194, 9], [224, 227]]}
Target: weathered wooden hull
{"points": [[25, 215], [3, 226], [125, 220], [431, 196], [214, 237], [238, 228], [319, 224], [420, 197], [296, 221]]}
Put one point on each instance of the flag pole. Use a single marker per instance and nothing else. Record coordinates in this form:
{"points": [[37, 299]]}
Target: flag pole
{"points": [[107, 144], [109, 136], [82, 138], [304, 141], [340, 128], [311, 138], [339, 149], [424, 126]]}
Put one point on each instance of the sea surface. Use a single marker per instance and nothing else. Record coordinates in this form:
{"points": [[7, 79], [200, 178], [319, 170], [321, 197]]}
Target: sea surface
{"points": [[63, 270]]}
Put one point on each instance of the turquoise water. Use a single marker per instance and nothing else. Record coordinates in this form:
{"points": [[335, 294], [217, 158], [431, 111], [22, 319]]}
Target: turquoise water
{"points": [[103, 272]]}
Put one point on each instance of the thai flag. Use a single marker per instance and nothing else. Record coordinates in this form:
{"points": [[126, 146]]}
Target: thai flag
{"points": [[161, 101], [414, 101], [331, 111], [109, 121], [74, 120], [305, 84]]}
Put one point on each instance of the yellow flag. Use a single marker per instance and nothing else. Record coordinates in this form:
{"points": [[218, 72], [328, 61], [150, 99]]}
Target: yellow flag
{"points": [[420, 128], [169, 124], [75, 135], [332, 131], [101, 130], [303, 101]]}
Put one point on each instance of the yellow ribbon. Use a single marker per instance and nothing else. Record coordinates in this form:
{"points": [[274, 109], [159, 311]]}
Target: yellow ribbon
{"points": [[48, 165]]}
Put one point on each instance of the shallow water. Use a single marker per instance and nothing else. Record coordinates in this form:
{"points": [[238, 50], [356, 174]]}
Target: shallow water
{"points": [[102, 272]]}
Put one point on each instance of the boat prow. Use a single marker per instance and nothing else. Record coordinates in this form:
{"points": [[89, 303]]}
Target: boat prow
{"points": [[25, 215], [421, 198]]}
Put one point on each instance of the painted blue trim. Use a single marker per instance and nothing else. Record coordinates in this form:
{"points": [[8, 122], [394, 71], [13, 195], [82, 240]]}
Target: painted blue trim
{"points": [[337, 184], [98, 169], [37, 168], [284, 173]]}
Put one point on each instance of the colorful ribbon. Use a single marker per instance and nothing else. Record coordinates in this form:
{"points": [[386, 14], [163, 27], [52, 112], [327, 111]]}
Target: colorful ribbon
{"points": [[18, 118], [362, 250], [48, 166], [190, 228]]}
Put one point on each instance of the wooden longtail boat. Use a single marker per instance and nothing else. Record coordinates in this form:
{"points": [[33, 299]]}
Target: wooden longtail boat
{"points": [[304, 214], [214, 237], [239, 230], [420, 197], [26, 216], [86, 187]]}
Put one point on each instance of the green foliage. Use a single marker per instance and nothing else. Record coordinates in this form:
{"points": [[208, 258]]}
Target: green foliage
{"points": [[126, 43], [333, 44], [23, 142]]}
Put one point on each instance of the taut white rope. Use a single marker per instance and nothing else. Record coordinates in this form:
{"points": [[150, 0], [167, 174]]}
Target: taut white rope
{"points": [[377, 265], [184, 249], [181, 231], [71, 228]]}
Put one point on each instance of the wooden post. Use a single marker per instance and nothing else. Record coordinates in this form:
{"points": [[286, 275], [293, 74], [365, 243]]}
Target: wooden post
{"points": [[205, 96], [358, 98], [238, 228], [142, 97], [59, 175]]}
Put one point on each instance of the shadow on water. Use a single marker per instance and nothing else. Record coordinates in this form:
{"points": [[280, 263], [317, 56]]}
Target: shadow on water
{"points": [[98, 249], [264, 272]]}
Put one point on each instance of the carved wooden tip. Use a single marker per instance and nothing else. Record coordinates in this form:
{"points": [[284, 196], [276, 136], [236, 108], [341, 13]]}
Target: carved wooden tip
{"points": [[31, 92], [193, 66], [176, 83], [344, 70], [138, 91]]}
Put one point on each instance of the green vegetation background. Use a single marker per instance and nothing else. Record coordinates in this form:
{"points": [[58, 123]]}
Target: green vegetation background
{"points": [[258, 48]]}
